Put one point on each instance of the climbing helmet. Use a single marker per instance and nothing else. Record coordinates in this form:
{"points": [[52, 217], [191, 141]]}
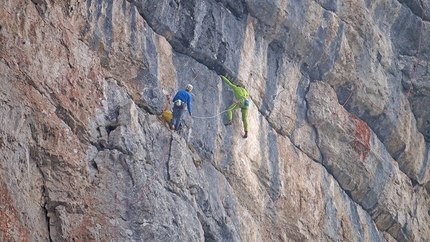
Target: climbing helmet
{"points": [[189, 87]]}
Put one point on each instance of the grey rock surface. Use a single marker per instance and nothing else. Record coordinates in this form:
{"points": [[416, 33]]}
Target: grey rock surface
{"points": [[338, 146]]}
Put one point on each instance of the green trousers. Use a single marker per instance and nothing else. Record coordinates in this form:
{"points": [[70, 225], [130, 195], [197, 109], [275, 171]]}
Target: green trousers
{"points": [[235, 106]]}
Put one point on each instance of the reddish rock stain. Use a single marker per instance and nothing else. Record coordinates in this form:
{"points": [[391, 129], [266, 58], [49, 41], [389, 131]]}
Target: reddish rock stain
{"points": [[9, 218], [361, 133]]}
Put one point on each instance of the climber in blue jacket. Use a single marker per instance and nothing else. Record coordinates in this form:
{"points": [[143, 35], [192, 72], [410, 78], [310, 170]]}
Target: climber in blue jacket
{"points": [[181, 98]]}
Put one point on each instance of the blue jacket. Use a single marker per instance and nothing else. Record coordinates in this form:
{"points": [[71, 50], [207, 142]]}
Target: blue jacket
{"points": [[185, 97]]}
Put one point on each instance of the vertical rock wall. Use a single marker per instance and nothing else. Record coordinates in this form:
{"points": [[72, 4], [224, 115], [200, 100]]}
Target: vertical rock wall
{"points": [[338, 146]]}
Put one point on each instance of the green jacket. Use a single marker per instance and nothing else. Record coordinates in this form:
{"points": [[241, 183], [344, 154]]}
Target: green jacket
{"points": [[239, 92]]}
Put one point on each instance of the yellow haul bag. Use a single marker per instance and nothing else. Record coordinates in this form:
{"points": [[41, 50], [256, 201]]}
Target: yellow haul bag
{"points": [[167, 115]]}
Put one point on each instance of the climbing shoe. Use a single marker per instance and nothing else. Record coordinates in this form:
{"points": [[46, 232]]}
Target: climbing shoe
{"points": [[246, 134], [172, 126], [229, 123]]}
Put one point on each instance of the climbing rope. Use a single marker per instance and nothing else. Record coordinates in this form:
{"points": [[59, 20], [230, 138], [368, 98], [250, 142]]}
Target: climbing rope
{"points": [[208, 117]]}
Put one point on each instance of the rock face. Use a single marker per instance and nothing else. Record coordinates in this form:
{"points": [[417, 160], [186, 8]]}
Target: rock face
{"points": [[339, 138]]}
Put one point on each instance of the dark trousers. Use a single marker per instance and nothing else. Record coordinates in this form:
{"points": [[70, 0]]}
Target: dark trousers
{"points": [[178, 112]]}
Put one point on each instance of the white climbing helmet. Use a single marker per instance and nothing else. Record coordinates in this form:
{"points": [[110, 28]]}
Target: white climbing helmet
{"points": [[189, 87]]}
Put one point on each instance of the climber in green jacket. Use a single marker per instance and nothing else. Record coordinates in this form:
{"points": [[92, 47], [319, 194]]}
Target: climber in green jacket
{"points": [[241, 95]]}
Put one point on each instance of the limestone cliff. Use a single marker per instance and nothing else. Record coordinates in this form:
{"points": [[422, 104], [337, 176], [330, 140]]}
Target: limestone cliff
{"points": [[338, 147]]}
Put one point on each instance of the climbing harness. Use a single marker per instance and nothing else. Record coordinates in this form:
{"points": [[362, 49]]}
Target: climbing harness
{"points": [[179, 103], [243, 103]]}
